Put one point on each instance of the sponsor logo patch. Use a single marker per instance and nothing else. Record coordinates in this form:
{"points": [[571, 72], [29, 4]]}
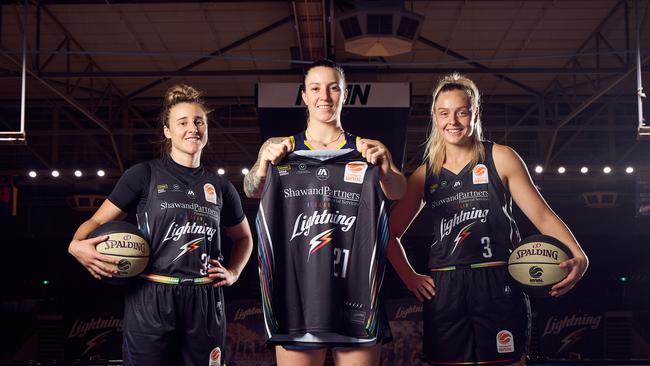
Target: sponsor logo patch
{"points": [[162, 188], [191, 194], [215, 357], [283, 169], [354, 172], [480, 174], [505, 342], [302, 169], [210, 193], [322, 173]]}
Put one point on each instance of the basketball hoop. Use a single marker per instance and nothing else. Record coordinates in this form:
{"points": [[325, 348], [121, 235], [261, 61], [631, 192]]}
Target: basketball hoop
{"points": [[12, 138]]}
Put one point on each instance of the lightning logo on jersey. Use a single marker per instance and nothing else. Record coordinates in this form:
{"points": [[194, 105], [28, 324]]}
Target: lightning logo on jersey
{"points": [[189, 247], [462, 235], [319, 241]]}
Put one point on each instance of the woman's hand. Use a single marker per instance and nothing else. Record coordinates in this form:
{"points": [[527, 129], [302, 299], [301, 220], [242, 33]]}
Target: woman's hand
{"points": [[577, 267], [421, 286], [392, 180], [221, 275], [272, 153], [99, 265], [376, 153]]}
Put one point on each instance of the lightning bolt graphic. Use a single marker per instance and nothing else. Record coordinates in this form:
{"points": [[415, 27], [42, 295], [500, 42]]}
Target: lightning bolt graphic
{"points": [[464, 233], [319, 241], [571, 338], [96, 341], [189, 247]]}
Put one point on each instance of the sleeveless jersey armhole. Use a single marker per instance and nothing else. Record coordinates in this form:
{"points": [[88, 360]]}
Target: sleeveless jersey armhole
{"points": [[428, 178], [292, 139], [492, 168]]}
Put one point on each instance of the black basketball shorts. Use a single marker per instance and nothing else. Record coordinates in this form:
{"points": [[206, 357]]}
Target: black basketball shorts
{"points": [[173, 325], [477, 316]]}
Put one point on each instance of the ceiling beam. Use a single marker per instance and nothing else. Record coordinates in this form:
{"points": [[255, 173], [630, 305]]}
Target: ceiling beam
{"points": [[584, 105], [73, 103], [477, 65], [350, 70], [216, 53]]}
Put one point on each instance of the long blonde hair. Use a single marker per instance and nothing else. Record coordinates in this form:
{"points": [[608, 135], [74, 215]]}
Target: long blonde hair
{"points": [[435, 154]]}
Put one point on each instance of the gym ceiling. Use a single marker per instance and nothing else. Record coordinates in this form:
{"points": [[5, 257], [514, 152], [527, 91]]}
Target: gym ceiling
{"points": [[558, 78]]}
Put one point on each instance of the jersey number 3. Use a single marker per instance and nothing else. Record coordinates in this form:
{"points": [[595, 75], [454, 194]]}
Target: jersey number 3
{"points": [[487, 251]]}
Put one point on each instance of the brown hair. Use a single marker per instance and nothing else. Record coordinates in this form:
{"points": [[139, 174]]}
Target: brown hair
{"points": [[179, 93], [435, 153], [324, 62]]}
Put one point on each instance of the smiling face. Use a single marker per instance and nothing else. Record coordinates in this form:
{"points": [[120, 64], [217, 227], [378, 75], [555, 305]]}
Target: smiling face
{"points": [[453, 116], [324, 94], [187, 128]]}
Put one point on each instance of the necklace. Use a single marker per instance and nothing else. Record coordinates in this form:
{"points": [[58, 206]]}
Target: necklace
{"points": [[323, 143]]}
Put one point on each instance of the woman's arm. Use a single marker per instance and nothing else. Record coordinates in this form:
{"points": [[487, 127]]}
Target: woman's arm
{"points": [[515, 176], [271, 152], [401, 216], [241, 252]]}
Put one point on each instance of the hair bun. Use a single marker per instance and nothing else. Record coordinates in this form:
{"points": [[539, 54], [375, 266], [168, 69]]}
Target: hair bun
{"points": [[180, 93]]}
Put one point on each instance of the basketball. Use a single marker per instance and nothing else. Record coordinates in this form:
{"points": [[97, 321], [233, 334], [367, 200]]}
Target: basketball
{"points": [[126, 243], [535, 264]]}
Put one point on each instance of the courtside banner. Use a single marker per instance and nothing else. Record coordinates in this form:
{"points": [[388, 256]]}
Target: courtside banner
{"points": [[572, 334], [643, 195], [360, 95], [8, 197]]}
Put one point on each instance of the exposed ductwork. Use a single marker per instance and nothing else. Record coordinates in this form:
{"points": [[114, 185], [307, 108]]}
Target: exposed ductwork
{"points": [[379, 28]]}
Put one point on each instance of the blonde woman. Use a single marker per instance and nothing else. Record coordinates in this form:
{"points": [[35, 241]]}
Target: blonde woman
{"points": [[472, 314]]}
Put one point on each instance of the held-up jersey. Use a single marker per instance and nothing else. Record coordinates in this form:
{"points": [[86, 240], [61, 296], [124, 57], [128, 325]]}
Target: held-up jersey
{"points": [[472, 211], [323, 233], [181, 221]]}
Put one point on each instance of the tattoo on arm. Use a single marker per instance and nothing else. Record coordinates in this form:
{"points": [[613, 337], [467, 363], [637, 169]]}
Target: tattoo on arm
{"points": [[253, 184]]}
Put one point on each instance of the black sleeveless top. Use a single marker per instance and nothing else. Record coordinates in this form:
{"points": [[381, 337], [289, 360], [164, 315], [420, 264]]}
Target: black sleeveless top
{"points": [[472, 216]]}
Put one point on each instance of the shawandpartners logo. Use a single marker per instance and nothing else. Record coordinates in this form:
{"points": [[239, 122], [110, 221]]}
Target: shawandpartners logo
{"points": [[325, 191]]}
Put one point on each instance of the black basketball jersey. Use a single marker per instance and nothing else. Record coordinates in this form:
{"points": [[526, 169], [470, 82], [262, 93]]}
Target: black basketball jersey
{"points": [[181, 221], [323, 233], [472, 216]]}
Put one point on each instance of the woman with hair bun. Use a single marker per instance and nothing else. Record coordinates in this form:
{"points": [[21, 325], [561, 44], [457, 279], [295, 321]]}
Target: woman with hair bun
{"points": [[174, 314]]}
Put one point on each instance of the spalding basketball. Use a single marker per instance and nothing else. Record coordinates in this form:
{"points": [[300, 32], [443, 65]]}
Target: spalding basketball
{"points": [[125, 243], [535, 264]]}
